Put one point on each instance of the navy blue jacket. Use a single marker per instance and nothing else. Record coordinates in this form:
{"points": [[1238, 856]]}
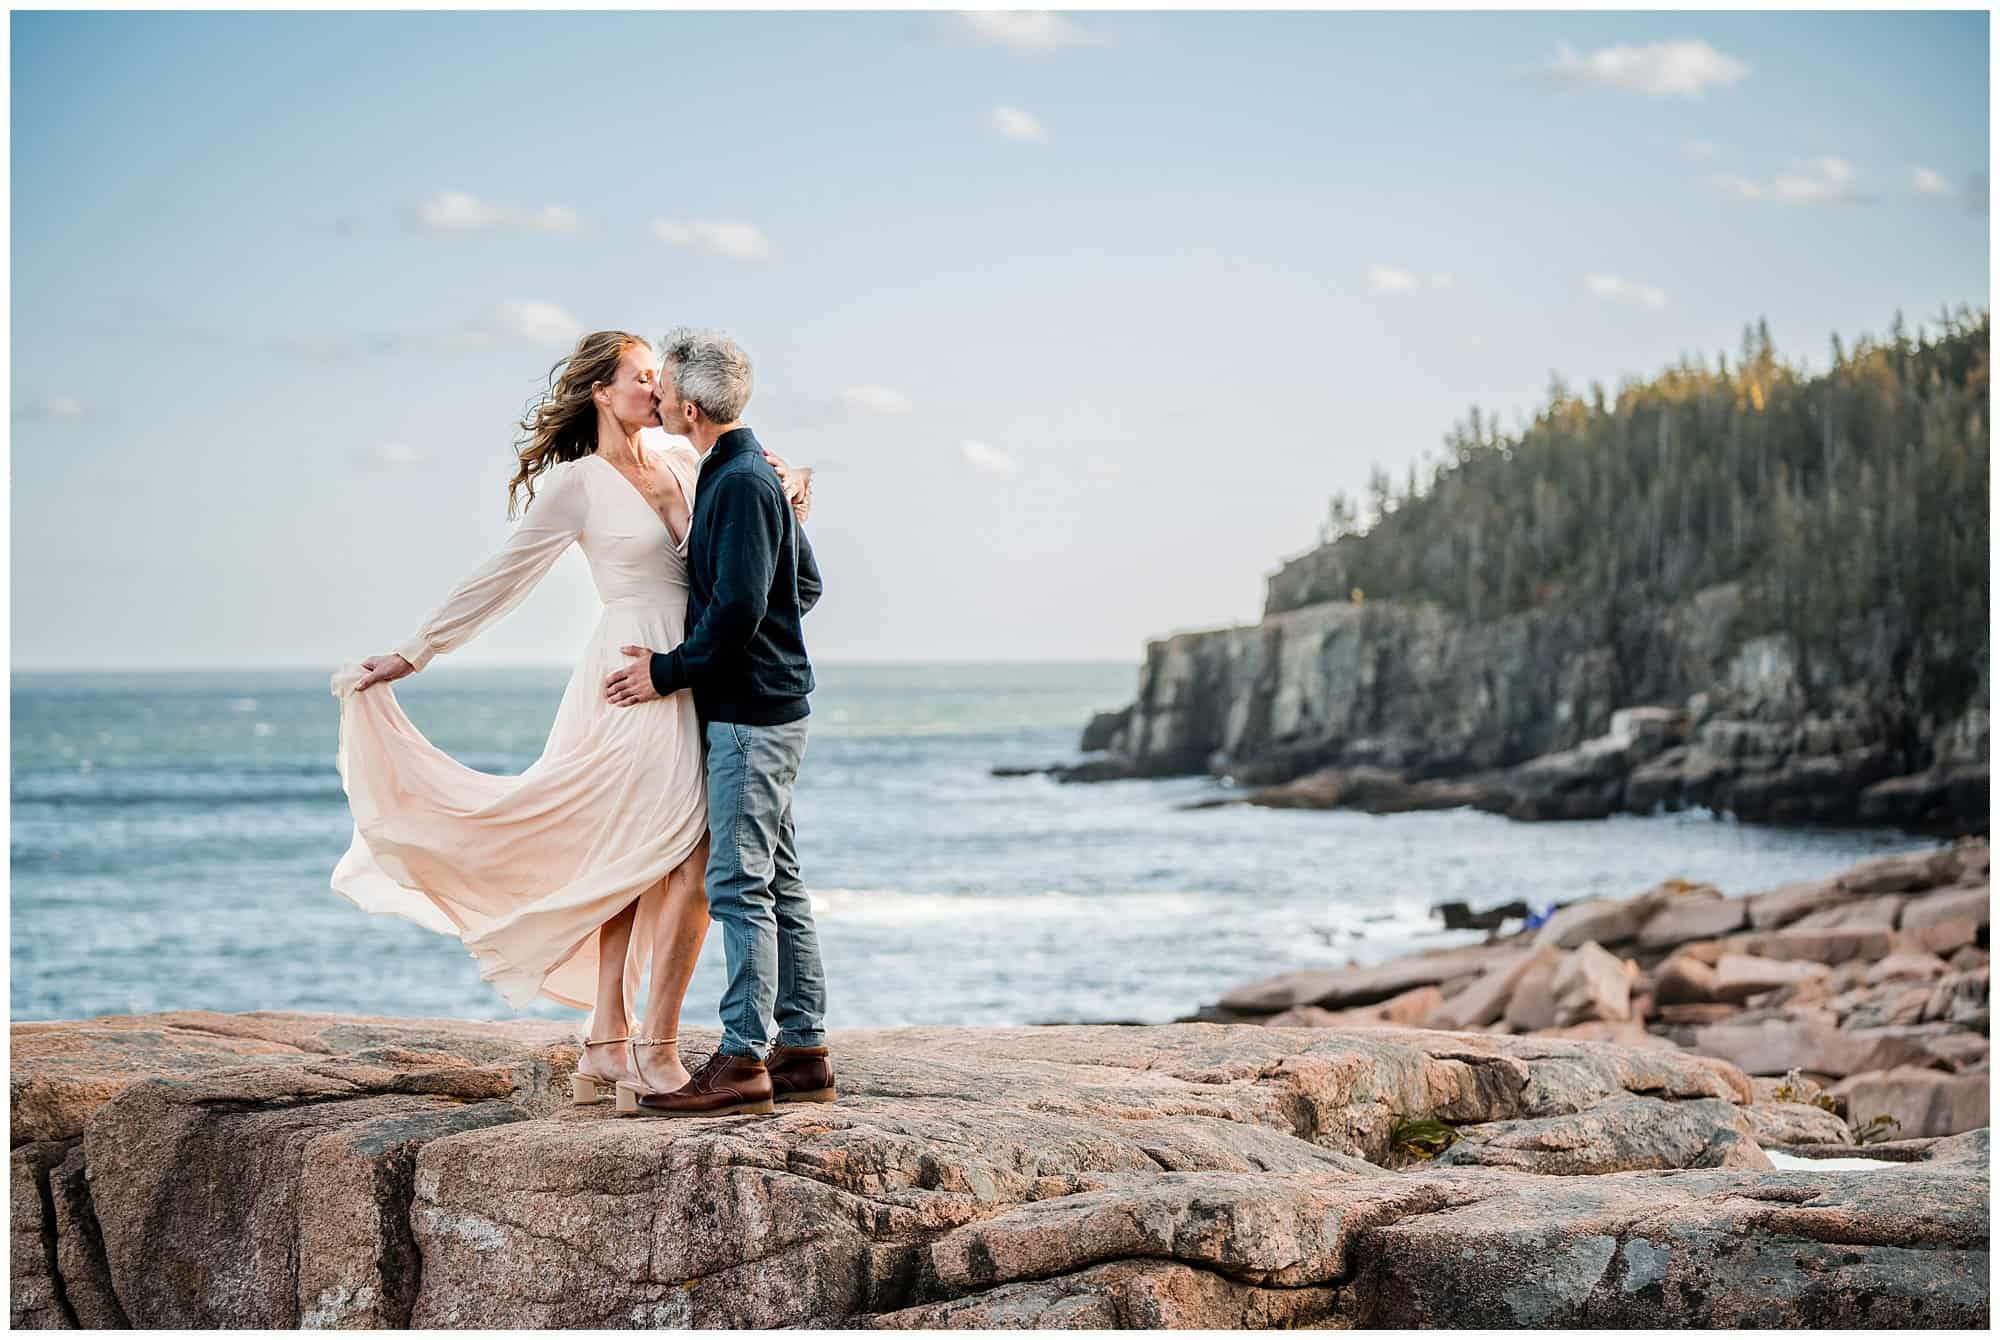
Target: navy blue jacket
{"points": [[751, 578]]}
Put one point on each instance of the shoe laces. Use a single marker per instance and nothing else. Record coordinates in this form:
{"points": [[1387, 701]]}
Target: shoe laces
{"points": [[715, 1062]]}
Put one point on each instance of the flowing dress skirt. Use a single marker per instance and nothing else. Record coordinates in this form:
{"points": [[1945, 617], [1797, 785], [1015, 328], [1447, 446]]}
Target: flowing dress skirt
{"points": [[525, 869]]}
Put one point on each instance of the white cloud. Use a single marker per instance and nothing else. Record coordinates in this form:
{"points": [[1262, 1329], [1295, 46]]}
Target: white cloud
{"points": [[1700, 148], [737, 241], [1614, 289], [1972, 193], [875, 400], [50, 407], [1016, 124], [541, 323], [1389, 279], [389, 455], [1821, 181], [454, 212], [991, 460], [1022, 29], [1685, 69], [552, 219], [457, 212]]}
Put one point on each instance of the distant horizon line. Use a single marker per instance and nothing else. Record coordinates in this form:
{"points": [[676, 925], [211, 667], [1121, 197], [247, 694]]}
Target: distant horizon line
{"points": [[562, 665]]}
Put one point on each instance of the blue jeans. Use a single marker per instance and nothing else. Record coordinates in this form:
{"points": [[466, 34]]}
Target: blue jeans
{"points": [[755, 893]]}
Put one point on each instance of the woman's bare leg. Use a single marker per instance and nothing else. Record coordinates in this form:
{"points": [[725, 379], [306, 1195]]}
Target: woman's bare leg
{"points": [[676, 947], [614, 937], [608, 1019]]}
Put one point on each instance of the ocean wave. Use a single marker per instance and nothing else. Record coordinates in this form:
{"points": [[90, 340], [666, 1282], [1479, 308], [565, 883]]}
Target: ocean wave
{"points": [[90, 784], [896, 907], [173, 791]]}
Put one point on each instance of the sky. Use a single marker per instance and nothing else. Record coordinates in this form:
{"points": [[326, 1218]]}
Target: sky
{"points": [[1081, 319]]}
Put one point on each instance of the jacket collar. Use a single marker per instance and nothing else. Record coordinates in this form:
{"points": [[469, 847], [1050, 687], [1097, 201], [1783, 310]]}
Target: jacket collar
{"points": [[732, 443]]}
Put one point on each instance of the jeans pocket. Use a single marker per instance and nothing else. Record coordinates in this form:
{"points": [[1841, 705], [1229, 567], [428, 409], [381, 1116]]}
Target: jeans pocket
{"points": [[751, 766]]}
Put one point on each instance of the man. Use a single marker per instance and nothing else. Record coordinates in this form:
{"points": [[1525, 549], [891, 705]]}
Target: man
{"points": [[751, 578]]}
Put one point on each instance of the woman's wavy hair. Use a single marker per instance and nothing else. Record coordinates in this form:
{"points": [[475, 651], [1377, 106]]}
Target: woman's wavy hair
{"points": [[561, 423]]}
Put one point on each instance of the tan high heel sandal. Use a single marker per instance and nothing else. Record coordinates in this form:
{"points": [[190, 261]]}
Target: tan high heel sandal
{"points": [[587, 1089], [628, 1092]]}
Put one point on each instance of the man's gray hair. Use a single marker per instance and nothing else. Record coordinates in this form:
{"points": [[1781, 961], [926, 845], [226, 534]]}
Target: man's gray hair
{"points": [[709, 369]]}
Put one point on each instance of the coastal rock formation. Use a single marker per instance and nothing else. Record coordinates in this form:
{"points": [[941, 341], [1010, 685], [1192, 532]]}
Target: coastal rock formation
{"points": [[1868, 991], [1540, 715], [374, 1172], [1621, 1134]]}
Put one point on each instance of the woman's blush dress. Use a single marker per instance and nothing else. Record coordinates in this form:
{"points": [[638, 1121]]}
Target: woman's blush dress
{"points": [[525, 869]]}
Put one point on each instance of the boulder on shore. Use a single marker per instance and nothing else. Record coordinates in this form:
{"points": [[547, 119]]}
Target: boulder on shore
{"points": [[1877, 975]]}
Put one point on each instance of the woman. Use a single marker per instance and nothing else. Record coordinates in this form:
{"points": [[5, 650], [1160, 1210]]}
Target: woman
{"points": [[566, 880]]}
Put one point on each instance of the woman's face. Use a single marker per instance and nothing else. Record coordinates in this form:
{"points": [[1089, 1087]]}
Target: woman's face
{"points": [[629, 397]]}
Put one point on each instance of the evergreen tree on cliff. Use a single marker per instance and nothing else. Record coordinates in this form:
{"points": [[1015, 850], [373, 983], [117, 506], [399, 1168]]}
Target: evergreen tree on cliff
{"points": [[1852, 505]]}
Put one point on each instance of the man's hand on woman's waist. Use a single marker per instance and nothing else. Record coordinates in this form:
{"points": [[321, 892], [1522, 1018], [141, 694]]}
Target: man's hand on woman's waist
{"points": [[634, 684]]}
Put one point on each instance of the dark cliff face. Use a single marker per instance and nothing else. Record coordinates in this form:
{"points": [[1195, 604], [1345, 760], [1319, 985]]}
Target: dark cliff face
{"points": [[1409, 687], [1415, 690]]}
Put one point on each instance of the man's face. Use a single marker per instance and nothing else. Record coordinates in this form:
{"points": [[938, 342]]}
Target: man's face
{"points": [[676, 414]]}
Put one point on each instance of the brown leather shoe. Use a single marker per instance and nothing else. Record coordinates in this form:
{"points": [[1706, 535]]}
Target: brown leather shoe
{"points": [[724, 1084], [800, 1075]]}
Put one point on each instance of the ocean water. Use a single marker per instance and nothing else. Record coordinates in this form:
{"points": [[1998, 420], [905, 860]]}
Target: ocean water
{"points": [[172, 834]]}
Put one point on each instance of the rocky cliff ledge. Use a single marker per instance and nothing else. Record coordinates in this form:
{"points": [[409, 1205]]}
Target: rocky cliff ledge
{"points": [[1547, 714], [283, 1170]]}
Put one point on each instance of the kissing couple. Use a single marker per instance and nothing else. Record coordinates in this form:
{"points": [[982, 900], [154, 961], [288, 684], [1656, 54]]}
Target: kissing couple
{"points": [[664, 794]]}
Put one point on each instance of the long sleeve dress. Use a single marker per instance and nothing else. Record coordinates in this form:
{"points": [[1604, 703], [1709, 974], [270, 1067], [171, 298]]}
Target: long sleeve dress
{"points": [[525, 869]]}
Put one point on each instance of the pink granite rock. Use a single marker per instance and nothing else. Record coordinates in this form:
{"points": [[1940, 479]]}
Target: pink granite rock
{"points": [[1629, 1032], [1775, 1046], [1830, 946], [1878, 913], [1185, 1175], [1621, 1134], [1907, 967], [1788, 902], [1741, 976], [1484, 999], [1975, 902], [1601, 920], [1923, 1102], [1787, 1124], [1331, 988], [1683, 980], [1591, 984], [1412, 1007], [1939, 937], [1903, 872], [1693, 916], [1531, 1005]]}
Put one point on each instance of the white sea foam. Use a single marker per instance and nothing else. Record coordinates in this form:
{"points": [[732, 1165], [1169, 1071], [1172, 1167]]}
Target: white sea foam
{"points": [[896, 907]]}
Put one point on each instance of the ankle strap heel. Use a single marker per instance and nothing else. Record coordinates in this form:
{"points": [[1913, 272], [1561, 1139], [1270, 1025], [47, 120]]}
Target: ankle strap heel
{"points": [[632, 1046], [627, 1097], [584, 1087]]}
